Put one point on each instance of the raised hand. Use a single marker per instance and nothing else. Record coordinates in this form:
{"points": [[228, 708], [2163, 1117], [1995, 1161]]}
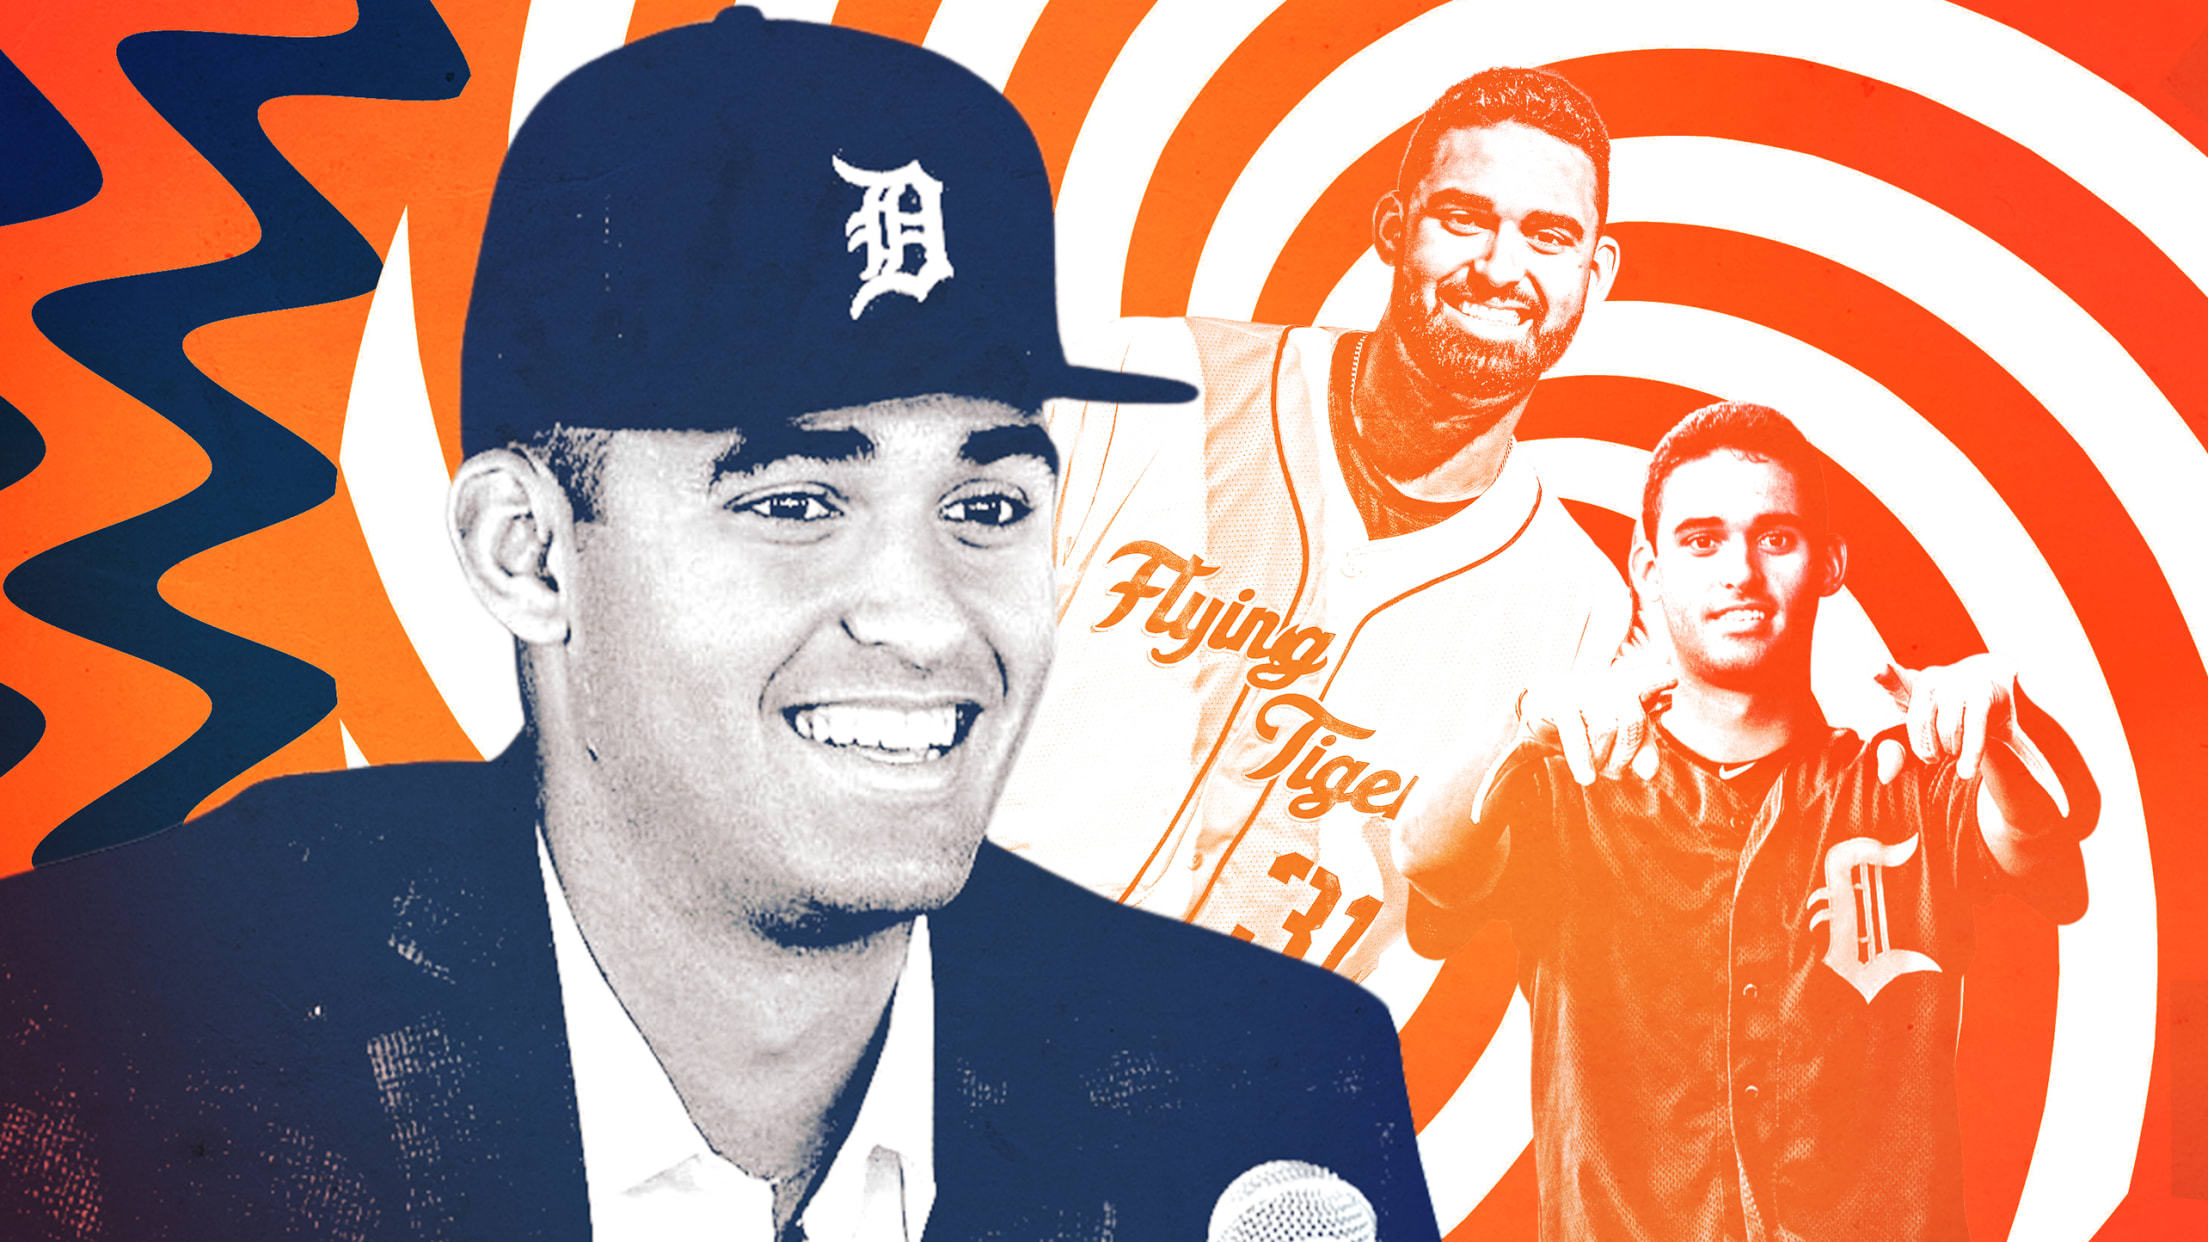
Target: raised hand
{"points": [[1952, 711], [1600, 718]]}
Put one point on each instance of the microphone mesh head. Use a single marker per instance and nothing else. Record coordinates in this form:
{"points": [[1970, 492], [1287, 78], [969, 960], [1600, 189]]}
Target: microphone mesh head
{"points": [[1292, 1201]]}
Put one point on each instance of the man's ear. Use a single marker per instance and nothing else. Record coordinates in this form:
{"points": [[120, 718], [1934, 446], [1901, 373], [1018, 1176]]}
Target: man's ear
{"points": [[513, 530], [1836, 565], [1649, 624], [1603, 271], [1387, 228], [1640, 562]]}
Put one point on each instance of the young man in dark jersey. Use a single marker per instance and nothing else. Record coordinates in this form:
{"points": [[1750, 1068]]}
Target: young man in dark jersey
{"points": [[1745, 959]]}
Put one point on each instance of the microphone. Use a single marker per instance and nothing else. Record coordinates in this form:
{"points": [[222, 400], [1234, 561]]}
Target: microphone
{"points": [[1292, 1201]]}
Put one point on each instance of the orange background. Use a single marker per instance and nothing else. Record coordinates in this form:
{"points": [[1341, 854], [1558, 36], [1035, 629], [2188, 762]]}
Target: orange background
{"points": [[307, 587]]}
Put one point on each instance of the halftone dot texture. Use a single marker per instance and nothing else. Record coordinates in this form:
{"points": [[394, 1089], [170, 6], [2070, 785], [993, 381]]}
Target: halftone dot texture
{"points": [[1291, 1201]]}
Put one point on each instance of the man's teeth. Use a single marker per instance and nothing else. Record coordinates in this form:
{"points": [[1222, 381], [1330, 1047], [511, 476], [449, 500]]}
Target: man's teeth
{"points": [[1504, 316], [898, 735]]}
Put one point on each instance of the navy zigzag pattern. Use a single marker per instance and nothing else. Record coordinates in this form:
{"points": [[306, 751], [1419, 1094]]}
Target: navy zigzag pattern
{"points": [[49, 170], [130, 330]]}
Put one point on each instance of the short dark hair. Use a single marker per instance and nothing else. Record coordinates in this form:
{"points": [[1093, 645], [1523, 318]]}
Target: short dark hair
{"points": [[1532, 97], [1757, 432], [574, 456]]}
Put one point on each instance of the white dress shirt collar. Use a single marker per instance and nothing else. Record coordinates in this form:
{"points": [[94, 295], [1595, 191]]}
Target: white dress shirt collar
{"points": [[651, 1174]]}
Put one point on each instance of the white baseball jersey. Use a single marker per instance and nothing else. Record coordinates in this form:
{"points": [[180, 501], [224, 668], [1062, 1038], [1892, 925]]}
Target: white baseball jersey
{"points": [[1247, 687]]}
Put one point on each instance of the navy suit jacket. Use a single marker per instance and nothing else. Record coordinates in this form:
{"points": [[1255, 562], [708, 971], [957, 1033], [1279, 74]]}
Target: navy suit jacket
{"points": [[329, 1009]]}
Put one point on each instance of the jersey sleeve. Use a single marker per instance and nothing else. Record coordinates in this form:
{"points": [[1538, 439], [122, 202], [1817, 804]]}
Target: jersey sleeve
{"points": [[1936, 804], [1507, 857], [1951, 811], [2080, 795], [2055, 885], [1524, 809], [1947, 809]]}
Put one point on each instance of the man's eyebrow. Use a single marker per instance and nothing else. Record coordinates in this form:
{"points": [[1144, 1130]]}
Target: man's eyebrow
{"points": [[765, 445], [1536, 220], [1761, 521], [1449, 196], [1010, 440]]}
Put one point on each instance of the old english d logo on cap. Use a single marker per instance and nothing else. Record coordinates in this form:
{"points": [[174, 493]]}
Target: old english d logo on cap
{"points": [[884, 228], [747, 221]]}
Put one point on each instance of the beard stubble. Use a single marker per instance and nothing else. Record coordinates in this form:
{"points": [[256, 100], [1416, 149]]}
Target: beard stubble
{"points": [[1487, 378]]}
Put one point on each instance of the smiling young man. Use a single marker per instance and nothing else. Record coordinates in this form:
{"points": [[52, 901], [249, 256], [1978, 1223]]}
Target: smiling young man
{"points": [[762, 322], [1745, 965], [1278, 620], [775, 681]]}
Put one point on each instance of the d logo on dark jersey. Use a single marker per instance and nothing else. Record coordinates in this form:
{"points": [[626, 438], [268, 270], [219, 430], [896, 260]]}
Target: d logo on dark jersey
{"points": [[1854, 896]]}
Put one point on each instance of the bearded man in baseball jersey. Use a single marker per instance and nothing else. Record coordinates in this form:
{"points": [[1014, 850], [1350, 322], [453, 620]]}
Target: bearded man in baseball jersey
{"points": [[1745, 961], [1274, 619]]}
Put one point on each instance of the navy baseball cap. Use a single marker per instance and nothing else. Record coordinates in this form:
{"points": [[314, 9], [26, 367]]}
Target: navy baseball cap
{"points": [[749, 220]]}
